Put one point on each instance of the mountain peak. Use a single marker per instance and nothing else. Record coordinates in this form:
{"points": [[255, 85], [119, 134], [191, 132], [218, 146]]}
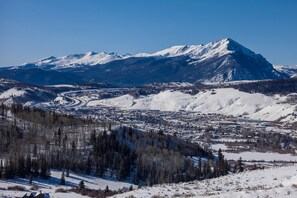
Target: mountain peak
{"points": [[220, 47], [91, 53], [227, 40], [234, 47], [224, 42], [51, 57]]}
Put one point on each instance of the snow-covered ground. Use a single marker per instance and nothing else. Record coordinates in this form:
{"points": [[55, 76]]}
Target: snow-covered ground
{"points": [[253, 155], [226, 101], [289, 70], [260, 156], [49, 186], [73, 60], [274, 182], [13, 92], [198, 52]]}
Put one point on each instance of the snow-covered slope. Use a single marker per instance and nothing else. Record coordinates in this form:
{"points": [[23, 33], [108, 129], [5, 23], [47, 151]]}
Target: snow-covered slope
{"points": [[289, 70], [227, 101], [74, 60], [274, 183], [49, 186], [202, 52], [15, 92]]}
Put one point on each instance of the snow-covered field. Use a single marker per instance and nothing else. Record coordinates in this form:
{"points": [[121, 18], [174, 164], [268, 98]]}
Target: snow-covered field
{"points": [[49, 186], [259, 156], [254, 155], [226, 101], [274, 182]]}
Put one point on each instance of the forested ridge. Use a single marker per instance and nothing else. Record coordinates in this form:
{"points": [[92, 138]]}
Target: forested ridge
{"points": [[34, 141]]}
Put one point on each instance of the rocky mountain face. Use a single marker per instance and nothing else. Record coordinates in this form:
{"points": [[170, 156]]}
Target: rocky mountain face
{"points": [[220, 61]]}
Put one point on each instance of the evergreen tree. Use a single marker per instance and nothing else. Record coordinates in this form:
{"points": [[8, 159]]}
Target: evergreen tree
{"points": [[30, 179], [1, 169], [221, 163], [62, 182], [106, 189], [240, 165], [2, 111], [67, 171], [73, 147], [9, 169], [82, 184], [124, 169], [35, 150], [59, 136], [44, 170], [28, 165], [199, 171], [226, 167], [100, 167], [89, 166], [93, 137], [21, 167], [35, 168]]}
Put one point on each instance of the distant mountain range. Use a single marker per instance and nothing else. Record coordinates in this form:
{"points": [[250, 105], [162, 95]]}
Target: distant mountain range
{"points": [[220, 61], [291, 71]]}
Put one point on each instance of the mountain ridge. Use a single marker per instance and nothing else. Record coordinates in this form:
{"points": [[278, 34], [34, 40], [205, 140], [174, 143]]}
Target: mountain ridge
{"points": [[223, 60], [219, 47]]}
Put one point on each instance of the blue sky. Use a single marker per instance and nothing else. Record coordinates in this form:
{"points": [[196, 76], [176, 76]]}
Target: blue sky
{"points": [[34, 29]]}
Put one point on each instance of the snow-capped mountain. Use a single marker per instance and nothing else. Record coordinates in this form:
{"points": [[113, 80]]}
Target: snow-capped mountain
{"points": [[220, 61], [202, 52], [75, 60], [289, 70], [197, 53]]}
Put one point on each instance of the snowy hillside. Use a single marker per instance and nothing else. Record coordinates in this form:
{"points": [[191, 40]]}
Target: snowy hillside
{"points": [[51, 185], [226, 101], [15, 92], [74, 60], [289, 70], [274, 182]]}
